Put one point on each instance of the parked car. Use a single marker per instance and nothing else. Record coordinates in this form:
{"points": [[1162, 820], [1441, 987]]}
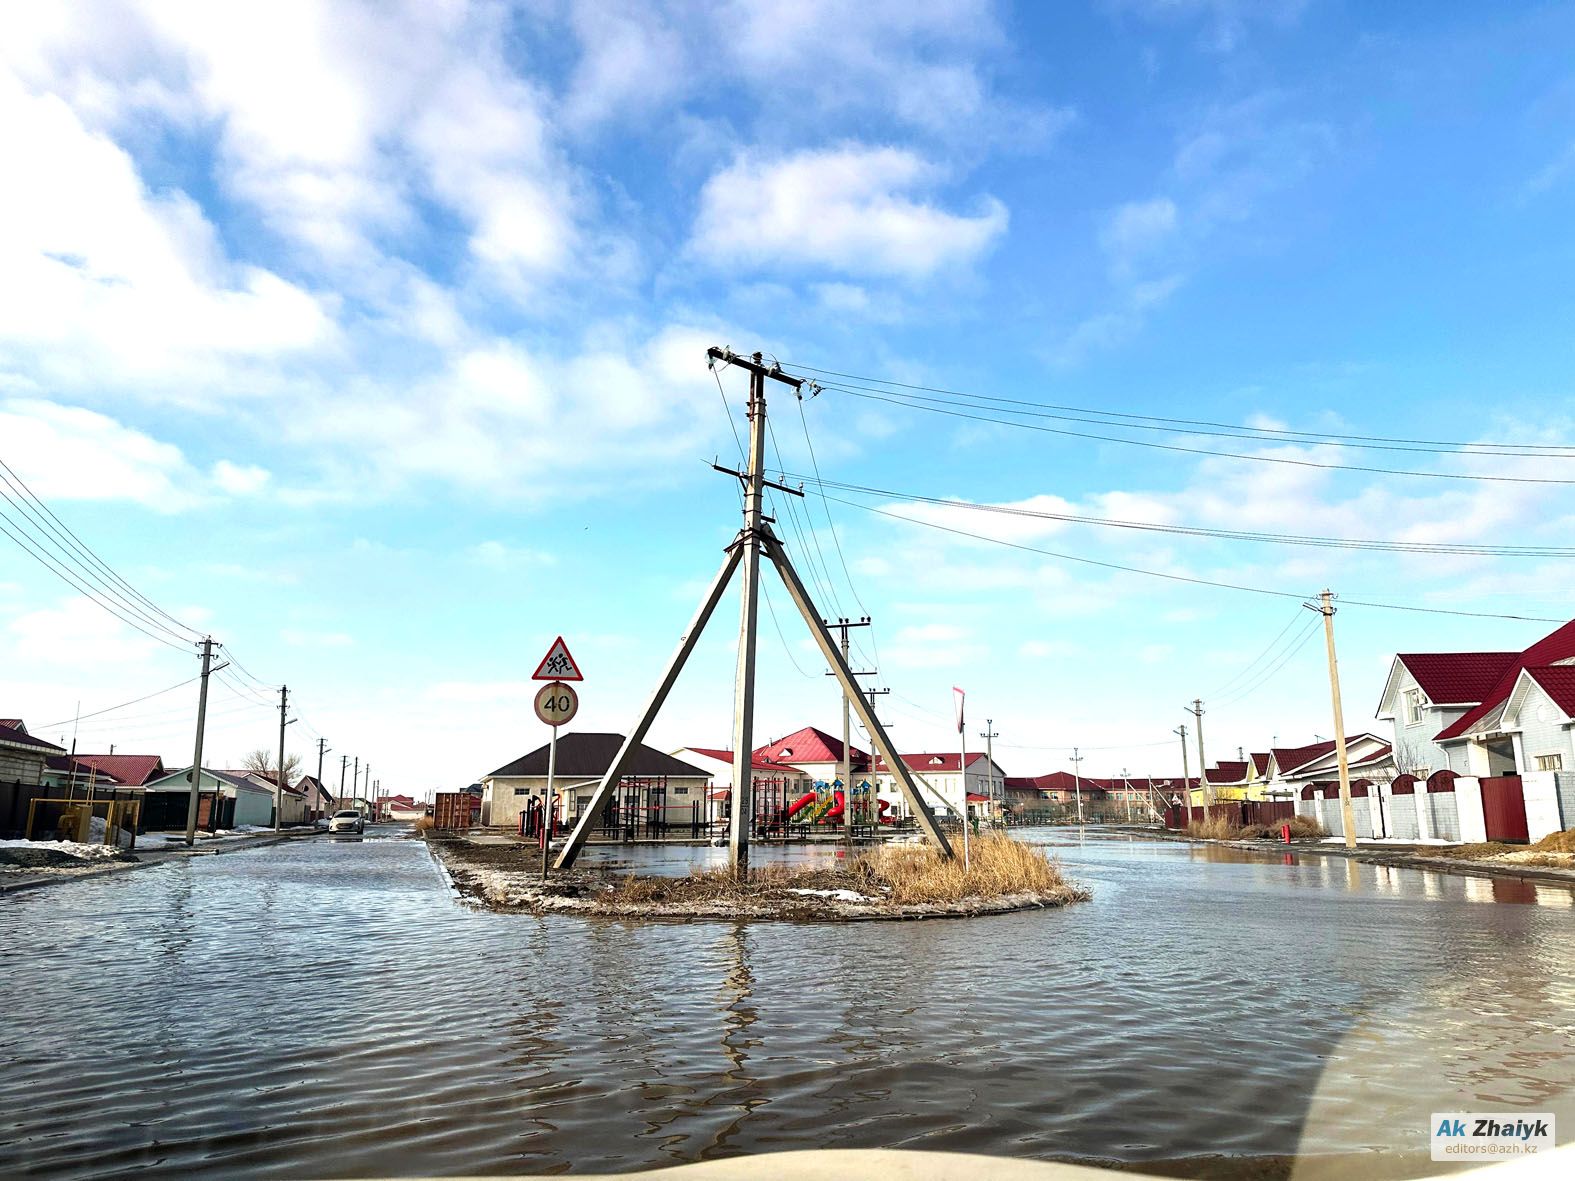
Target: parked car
{"points": [[347, 821]]}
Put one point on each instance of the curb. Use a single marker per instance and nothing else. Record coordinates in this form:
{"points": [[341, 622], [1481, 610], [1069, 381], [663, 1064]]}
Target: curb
{"points": [[163, 857]]}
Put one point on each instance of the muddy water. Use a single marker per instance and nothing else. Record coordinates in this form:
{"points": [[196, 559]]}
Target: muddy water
{"points": [[326, 1008]]}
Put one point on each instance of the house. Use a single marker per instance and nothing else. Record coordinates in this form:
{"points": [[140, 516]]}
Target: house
{"points": [[130, 770], [658, 786], [244, 799], [24, 761], [938, 771], [1426, 693], [1539, 716], [717, 762], [71, 775], [813, 752], [1293, 768], [319, 800]]}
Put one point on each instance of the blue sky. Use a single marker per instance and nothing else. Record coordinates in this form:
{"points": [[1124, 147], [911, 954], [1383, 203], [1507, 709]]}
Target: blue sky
{"points": [[370, 337]]}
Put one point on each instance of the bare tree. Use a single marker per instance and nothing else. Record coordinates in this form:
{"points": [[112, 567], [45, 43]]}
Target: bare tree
{"points": [[263, 763]]}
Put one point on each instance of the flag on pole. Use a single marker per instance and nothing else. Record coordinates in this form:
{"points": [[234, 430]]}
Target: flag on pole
{"points": [[957, 700]]}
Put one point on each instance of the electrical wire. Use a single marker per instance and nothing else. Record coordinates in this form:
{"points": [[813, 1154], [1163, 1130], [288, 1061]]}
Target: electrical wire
{"points": [[1500, 550], [915, 402], [124, 704], [1196, 426], [1190, 579], [1272, 646], [1292, 650]]}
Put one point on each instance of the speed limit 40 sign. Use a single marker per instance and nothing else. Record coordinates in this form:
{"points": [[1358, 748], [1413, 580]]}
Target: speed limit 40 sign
{"points": [[557, 703]]}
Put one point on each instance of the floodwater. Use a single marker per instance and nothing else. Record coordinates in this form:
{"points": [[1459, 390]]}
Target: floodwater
{"points": [[329, 1008]]}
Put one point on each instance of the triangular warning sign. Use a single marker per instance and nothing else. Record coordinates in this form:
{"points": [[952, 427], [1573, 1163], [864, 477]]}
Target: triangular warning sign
{"points": [[557, 665]]}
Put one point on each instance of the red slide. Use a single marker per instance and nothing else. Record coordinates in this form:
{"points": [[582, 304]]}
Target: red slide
{"points": [[799, 804], [835, 811], [885, 819]]}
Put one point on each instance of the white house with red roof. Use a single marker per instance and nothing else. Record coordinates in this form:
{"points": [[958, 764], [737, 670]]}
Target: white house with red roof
{"points": [[1539, 717], [1449, 708], [985, 781], [812, 752], [717, 762]]}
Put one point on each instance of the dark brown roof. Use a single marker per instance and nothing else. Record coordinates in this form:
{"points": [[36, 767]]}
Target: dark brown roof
{"points": [[134, 770], [586, 756], [19, 737]]}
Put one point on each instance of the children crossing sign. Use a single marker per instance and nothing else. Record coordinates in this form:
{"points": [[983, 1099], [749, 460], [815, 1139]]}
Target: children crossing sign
{"points": [[557, 665]]}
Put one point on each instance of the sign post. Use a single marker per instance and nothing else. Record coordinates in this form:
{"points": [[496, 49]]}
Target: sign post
{"points": [[556, 705]]}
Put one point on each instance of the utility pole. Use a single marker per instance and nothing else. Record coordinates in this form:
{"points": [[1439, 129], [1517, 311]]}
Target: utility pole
{"points": [[1077, 783], [1203, 774], [989, 735], [1325, 607], [1127, 784], [754, 540], [962, 769], [355, 780], [278, 782], [1186, 777], [842, 625], [196, 758], [322, 748], [371, 791], [344, 761]]}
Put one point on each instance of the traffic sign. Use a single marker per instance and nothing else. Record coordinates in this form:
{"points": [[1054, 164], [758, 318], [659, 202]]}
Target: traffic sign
{"points": [[557, 703], [557, 665]]}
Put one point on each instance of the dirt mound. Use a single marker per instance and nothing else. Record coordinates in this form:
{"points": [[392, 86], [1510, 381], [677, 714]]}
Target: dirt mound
{"points": [[1556, 842]]}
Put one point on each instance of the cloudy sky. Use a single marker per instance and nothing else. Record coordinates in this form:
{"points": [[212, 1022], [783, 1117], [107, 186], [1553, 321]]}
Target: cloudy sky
{"points": [[370, 338]]}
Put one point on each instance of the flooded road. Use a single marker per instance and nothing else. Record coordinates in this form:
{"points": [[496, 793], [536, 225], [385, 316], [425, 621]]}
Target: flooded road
{"points": [[327, 1008]]}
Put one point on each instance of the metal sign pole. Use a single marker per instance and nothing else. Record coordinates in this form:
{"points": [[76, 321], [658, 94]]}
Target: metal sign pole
{"points": [[547, 804]]}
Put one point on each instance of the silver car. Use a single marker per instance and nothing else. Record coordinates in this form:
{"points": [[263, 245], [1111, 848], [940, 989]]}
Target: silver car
{"points": [[348, 820]]}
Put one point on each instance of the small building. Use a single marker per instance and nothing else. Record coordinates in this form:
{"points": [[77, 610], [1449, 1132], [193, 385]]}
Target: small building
{"points": [[243, 799], [657, 788], [24, 760], [318, 799]]}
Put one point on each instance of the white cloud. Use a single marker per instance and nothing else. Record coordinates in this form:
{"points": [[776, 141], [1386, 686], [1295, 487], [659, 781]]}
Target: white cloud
{"points": [[78, 633], [497, 555], [68, 453], [1137, 227], [855, 209], [237, 480], [104, 280]]}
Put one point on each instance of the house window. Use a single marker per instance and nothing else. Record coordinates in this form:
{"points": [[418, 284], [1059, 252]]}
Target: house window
{"points": [[1550, 762], [1413, 706], [680, 791]]}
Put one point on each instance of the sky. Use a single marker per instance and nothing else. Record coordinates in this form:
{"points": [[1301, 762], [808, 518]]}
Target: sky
{"points": [[370, 339]]}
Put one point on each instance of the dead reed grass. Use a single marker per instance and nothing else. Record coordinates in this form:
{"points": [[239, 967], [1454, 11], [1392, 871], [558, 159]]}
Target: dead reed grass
{"points": [[1556, 842], [904, 875], [1217, 828]]}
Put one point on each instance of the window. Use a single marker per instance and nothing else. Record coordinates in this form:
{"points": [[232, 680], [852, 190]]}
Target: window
{"points": [[1413, 706], [1550, 762], [680, 791]]}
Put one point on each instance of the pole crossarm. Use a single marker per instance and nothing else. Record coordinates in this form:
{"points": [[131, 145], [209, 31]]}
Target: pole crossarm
{"points": [[754, 365], [850, 687], [675, 665]]}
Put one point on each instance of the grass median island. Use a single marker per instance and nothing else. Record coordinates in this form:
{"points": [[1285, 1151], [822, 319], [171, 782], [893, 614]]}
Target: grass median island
{"points": [[906, 881], [1218, 828]]}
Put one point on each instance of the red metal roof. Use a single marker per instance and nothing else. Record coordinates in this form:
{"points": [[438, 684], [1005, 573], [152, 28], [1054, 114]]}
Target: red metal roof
{"points": [[1553, 647], [1260, 762], [1290, 757], [1228, 772], [133, 770], [1558, 682], [726, 756], [808, 745], [1457, 678]]}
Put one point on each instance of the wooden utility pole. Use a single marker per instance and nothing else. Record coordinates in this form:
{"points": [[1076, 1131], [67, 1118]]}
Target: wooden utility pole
{"points": [[1077, 783], [989, 735], [1325, 607], [1203, 774], [278, 781], [196, 758], [1186, 777], [842, 625], [754, 540], [962, 774], [355, 779], [322, 748], [344, 761]]}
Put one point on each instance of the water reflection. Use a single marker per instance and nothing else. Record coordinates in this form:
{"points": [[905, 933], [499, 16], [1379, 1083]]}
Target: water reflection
{"points": [[1208, 1000]]}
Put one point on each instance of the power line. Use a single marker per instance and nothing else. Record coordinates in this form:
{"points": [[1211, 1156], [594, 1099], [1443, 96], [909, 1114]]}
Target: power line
{"points": [[1294, 648], [67, 541], [112, 708], [1295, 619], [1501, 550], [915, 402], [1186, 578], [1191, 425]]}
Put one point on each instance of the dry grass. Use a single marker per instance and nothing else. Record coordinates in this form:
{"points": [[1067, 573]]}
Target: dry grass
{"points": [[423, 823], [1556, 842], [997, 866], [1473, 852], [1217, 828]]}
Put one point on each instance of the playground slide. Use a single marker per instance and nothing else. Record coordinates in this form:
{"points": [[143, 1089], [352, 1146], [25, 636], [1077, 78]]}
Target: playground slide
{"points": [[835, 811], [884, 806], [802, 802]]}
